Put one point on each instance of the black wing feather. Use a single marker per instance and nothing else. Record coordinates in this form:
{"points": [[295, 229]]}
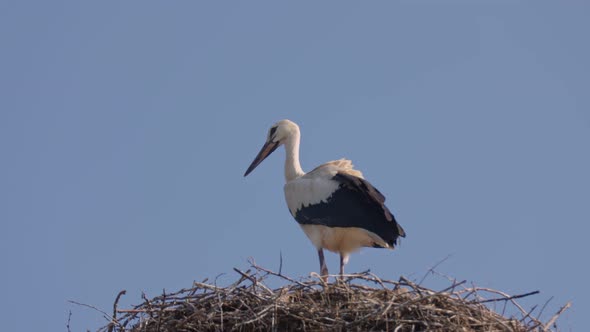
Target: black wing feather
{"points": [[356, 203]]}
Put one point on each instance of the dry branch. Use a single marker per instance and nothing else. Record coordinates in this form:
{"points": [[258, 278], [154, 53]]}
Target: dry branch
{"points": [[360, 302]]}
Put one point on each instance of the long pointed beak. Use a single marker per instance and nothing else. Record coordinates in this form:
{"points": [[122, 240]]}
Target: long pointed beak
{"points": [[266, 150]]}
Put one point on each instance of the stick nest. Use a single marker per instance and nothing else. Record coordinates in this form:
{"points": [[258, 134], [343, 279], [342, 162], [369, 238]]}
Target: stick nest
{"points": [[359, 302]]}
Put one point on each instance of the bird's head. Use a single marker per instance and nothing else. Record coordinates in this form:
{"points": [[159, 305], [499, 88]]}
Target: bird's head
{"points": [[278, 134]]}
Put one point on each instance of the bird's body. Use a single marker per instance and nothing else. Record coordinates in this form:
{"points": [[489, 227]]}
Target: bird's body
{"points": [[335, 206]]}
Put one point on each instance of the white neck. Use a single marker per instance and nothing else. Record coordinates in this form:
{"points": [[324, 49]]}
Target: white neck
{"points": [[292, 167]]}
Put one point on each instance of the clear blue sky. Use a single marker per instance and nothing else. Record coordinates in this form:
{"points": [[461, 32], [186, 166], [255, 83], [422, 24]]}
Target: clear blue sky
{"points": [[126, 127]]}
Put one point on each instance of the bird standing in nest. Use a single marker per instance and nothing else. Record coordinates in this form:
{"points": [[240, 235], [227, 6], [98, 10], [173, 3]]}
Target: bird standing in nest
{"points": [[335, 206]]}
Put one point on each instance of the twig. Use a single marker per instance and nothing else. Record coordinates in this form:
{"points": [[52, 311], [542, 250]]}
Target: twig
{"points": [[528, 314], [453, 286], [112, 326], [106, 316], [543, 307], [559, 312], [220, 309], [162, 308], [431, 270], [69, 319], [137, 311], [280, 262], [253, 280], [148, 304], [277, 275], [510, 297], [489, 290]]}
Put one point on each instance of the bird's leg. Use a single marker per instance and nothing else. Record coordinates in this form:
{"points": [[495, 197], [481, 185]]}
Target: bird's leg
{"points": [[343, 261], [323, 267]]}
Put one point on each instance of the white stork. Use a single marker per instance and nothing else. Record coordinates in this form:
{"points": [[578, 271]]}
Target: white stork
{"points": [[335, 206]]}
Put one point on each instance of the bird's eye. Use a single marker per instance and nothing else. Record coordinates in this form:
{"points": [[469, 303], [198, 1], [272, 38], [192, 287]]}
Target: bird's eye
{"points": [[272, 132]]}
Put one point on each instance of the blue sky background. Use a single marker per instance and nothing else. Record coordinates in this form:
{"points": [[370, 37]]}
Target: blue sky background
{"points": [[126, 127]]}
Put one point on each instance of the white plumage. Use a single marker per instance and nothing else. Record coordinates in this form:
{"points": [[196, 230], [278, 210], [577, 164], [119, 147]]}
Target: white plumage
{"points": [[335, 206], [307, 190]]}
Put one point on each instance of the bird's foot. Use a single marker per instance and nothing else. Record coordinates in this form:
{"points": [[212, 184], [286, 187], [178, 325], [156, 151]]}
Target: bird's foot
{"points": [[324, 274]]}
